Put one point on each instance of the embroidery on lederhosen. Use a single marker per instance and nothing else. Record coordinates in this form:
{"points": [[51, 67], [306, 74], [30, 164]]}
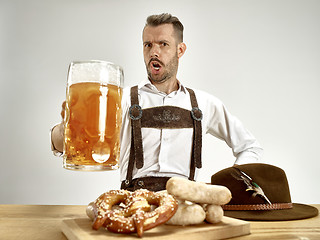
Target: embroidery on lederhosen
{"points": [[169, 117]]}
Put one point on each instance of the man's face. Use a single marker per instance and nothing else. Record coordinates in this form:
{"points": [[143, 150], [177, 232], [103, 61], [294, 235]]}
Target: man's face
{"points": [[161, 52]]}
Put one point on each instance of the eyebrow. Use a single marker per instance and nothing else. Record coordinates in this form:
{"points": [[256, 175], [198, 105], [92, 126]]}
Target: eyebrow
{"points": [[161, 41], [164, 41]]}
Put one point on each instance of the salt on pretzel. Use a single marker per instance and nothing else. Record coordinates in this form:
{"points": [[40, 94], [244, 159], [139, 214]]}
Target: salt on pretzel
{"points": [[198, 192], [134, 214]]}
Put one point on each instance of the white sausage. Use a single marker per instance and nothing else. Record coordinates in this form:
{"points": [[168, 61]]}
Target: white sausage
{"points": [[91, 211], [214, 213], [198, 192], [187, 214]]}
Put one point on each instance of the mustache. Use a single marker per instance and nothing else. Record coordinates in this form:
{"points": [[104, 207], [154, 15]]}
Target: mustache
{"points": [[155, 60]]}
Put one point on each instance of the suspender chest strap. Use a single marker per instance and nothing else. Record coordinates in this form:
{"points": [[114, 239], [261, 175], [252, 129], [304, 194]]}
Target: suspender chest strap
{"points": [[196, 115], [168, 117], [135, 113]]}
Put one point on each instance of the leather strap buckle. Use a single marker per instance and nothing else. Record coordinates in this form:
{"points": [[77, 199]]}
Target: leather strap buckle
{"points": [[135, 112], [127, 182], [196, 114]]}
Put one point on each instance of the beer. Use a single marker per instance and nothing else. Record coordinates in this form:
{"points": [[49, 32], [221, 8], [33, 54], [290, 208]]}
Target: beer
{"points": [[92, 126]]}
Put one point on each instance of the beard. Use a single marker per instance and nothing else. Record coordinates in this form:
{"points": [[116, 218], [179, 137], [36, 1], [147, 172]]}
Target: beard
{"points": [[170, 70]]}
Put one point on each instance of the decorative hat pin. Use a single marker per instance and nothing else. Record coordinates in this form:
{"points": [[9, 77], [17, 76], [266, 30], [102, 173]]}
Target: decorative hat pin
{"points": [[251, 185]]}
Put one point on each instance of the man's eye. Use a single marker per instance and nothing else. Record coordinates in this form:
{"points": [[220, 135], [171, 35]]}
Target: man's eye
{"points": [[165, 44], [147, 45]]}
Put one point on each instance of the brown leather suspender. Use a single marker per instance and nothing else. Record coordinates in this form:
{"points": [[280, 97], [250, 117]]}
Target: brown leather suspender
{"points": [[136, 149], [196, 115], [163, 117]]}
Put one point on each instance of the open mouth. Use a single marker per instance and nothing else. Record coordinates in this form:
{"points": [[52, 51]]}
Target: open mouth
{"points": [[156, 65]]}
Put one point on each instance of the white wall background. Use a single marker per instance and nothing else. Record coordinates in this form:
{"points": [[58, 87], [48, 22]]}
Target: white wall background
{"points": [[261, 57]]}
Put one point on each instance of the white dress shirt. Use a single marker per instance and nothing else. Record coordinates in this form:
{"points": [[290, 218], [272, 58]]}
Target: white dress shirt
{"points": [[167, 152]]}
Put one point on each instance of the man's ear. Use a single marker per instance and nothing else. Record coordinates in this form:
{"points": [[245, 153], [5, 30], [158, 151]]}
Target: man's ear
{"points": [[181, 49]]}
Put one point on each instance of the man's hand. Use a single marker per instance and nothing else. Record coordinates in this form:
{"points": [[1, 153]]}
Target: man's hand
{"points": [[63, 110], [57, 133]]}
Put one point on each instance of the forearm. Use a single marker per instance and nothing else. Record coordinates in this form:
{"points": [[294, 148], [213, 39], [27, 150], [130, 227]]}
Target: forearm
{"points": [[57, 137], [230, 129], [250, 155]]}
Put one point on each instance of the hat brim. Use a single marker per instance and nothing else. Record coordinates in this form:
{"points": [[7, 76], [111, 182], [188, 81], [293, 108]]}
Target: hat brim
{"points": [[298, 211]]}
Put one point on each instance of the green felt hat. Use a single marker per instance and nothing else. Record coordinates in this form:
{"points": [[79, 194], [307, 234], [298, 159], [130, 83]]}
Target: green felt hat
{"points": [[260, 192]]}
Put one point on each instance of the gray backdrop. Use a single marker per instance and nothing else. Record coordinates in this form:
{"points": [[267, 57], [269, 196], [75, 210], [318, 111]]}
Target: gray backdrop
{"points": [[261, 58]]}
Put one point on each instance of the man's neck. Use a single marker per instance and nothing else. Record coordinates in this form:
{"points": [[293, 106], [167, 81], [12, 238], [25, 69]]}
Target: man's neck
{"points": [[167, 87]]}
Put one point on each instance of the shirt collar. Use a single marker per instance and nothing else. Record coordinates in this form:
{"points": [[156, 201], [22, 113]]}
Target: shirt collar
{"points": [[149, 86]]}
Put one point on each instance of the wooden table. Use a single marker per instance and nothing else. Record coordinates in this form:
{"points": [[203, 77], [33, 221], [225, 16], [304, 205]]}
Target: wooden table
{"points": [[44, 221]]}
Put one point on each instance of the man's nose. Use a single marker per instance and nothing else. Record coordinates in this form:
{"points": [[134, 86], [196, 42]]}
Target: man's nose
{"points": [[155, 51]]}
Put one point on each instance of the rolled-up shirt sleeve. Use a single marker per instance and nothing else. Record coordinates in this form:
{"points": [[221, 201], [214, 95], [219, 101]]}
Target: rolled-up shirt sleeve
{"points": [[223, 125]]}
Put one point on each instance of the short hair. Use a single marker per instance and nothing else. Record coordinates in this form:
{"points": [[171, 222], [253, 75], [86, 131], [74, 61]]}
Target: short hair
{"points": [[166, 18]]}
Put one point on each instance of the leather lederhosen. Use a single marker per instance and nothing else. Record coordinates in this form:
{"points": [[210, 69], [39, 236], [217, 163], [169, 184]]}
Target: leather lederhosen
{"points": [[161, 117]]}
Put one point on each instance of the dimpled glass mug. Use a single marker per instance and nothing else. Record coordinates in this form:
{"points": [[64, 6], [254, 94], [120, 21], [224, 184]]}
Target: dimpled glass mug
{"points": [[93, 116]]}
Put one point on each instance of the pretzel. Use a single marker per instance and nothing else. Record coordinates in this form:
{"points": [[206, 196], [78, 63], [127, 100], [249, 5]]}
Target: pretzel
{"points": [[198, 192], [133, 213]]}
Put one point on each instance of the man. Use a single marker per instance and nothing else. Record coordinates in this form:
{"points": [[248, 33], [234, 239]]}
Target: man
{"points": [[163, 121]]}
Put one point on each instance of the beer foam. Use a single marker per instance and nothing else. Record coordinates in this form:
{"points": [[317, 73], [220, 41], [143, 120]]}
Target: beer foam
{"points": [[95, 71]]}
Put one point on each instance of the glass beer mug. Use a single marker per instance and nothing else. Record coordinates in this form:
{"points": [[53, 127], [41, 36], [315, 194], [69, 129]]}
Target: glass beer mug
{"points": [[93, 116]]}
